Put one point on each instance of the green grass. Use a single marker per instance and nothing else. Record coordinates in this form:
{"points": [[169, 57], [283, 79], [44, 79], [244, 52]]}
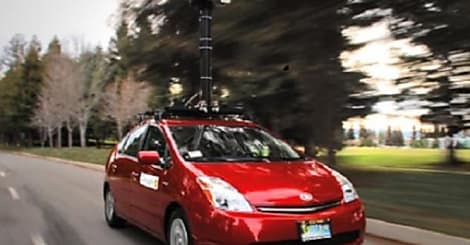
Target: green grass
{"points": [[464, 155], [433, 201], [436, 201], [397, 157], [91, 155]]}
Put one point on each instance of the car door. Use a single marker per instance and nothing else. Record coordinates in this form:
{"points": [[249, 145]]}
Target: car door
{"points": [[117, 175], [151, 201], [126, 169]]}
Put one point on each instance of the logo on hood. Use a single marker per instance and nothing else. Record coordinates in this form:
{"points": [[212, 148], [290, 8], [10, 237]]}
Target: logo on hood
{"points": [[306, 197]]}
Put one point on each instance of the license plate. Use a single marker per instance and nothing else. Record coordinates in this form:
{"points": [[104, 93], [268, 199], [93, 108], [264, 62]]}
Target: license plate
{"points": [[315, 230]]}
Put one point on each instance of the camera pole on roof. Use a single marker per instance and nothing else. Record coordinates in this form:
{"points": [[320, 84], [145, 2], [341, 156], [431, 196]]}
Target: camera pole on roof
{"points": [[205, 8]]}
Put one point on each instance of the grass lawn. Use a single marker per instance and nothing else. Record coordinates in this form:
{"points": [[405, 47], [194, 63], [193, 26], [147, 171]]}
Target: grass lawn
{"points": [[430, 200], [90, 154], [398, 157], [434, 201]]}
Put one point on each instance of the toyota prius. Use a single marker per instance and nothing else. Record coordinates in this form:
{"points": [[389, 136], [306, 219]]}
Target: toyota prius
{"points": [[229, 182]]}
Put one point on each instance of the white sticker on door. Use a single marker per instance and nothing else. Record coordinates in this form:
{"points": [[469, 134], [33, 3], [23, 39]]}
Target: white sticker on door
{"points": [[149, 181]]}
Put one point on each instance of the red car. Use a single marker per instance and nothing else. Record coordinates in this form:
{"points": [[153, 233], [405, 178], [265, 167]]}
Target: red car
{"points": [[228, 182]]}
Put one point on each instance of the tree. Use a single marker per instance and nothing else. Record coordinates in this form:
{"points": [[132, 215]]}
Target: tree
{"points": [[14, 52], [58, 97], [389, 136], [10, 89], [363, 133], [296, 62], [124, 99], [89, 88], [30, 85], [439, 76], [44, 117], [350, 134], [414, 137], [397, 138], [381, 138]]}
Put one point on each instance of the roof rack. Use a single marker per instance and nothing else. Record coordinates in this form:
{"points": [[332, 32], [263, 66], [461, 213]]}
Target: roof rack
{"points": [[179, 110], [223, 111]]}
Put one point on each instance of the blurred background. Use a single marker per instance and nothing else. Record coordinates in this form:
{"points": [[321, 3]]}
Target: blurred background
{"points": [[377, 88]]}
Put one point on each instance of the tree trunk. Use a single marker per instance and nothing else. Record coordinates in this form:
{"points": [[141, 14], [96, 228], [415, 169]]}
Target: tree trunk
{"points": [[119, 129], [82, 127], [59, 137], [69, 133], [331, 156], [451, 158], [82, 130], [70, 137], [49, 135], [42, 136], [98, 142], [310, 149]]}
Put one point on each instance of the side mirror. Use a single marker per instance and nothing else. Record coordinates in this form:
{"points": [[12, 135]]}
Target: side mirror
{"points": [[149, 157]]}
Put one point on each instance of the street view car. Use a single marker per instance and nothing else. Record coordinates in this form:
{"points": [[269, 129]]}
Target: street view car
{"points": [[207, 181]]}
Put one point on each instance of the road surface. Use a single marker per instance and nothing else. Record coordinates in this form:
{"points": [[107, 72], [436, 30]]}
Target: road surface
{"points": [[49, 203]]}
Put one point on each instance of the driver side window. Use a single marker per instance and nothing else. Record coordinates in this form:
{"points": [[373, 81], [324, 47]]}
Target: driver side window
{"points": [[155, 141], [133, 143]]}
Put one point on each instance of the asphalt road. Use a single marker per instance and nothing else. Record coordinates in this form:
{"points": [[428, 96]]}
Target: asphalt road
{"points": [[49, 203]]}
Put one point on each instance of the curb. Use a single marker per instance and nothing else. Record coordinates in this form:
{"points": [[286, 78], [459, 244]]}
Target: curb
{"points": [[410, 235], [375, 228]]}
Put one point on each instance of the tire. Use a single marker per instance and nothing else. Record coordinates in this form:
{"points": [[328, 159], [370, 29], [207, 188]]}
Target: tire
{"points": [[178, 232], [113, 220]]}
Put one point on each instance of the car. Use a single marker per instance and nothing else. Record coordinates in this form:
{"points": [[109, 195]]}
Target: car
{"points": [[228, 181]]}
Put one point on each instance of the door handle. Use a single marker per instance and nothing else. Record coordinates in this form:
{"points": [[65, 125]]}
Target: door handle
{"points": [[113, 167]]}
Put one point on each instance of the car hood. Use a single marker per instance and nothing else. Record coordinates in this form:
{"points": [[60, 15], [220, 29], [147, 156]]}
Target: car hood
{"points": [[277, 184]]}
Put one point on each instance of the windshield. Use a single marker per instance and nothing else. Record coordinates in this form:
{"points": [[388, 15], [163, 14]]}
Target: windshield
{"points": [[206, 143]]}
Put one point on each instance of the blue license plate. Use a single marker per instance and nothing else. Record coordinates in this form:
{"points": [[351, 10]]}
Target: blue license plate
{"points": [[315, 230]]}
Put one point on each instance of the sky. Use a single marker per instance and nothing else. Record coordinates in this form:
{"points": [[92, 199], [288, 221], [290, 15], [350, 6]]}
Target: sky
{"points": [[89, 20]]}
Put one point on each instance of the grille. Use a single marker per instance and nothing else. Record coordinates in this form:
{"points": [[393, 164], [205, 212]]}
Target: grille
{"points": [[338, 239], [299, 210]]}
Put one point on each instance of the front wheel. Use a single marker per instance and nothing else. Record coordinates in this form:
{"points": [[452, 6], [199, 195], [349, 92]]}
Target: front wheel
{"points": [[178, 230], [112, 219]]}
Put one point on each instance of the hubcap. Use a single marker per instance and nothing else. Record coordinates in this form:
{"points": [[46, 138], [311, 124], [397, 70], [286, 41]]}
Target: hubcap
{"points": [[109, 206], [178, 233]]}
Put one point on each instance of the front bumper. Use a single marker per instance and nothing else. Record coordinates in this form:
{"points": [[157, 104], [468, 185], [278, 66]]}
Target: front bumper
{"points": [[224, 228]]}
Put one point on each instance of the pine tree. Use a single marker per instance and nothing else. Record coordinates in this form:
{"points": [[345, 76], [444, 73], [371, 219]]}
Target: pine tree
{"points": [[397, 138], [389, 136], [30, 87], [12, 118]]}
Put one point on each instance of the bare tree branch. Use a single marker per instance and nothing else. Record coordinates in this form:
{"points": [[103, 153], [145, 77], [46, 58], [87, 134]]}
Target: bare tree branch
{"points": [[124, 99]]}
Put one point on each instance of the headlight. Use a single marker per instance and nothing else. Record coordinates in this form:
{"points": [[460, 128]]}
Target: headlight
{"points": [[223, 196], [349, 193]]}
